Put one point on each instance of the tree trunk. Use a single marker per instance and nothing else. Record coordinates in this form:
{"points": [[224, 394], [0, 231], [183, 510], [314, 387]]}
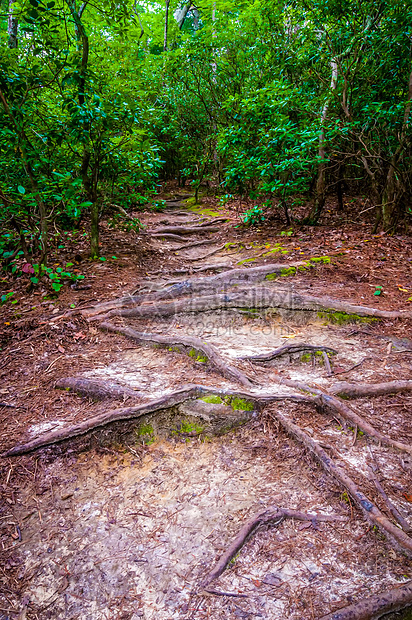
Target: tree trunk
{"points": [[166, 25], [339, 190], [12, 24], [94, 230], [321, 180], [391, 192]]}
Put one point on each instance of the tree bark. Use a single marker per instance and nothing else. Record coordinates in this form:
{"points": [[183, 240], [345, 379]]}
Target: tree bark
{"points": [[12, 25], [392, 190], [166, 26], [321, 180]]}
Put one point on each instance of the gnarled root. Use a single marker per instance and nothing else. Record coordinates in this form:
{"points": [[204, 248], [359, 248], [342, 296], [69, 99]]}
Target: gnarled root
{"points": [[272, 514], [376, 606], [356, 390], [96, 390], [184, 230], [337, 408], [191, 286], [288, 349], [370, 511], [259, 297], [191, 342], [128, 413]]}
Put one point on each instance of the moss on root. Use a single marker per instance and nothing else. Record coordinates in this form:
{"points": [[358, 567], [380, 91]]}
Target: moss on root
{"points": [[240, 404], [341, 318], [320, 259], [290, 271], [212, 399]]}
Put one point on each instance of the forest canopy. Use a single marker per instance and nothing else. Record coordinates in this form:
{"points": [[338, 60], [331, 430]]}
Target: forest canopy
{"points": [[276, 101]]}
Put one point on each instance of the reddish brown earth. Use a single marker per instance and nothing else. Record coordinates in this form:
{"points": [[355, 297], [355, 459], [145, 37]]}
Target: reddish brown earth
{"points": [[142, 524]]}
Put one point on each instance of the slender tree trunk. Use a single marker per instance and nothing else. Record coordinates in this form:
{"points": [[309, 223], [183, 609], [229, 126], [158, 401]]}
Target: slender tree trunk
{"points": [[89, 177], [94, 230], [12, 24], [339, 190], [391, 192], [321, 180], [166, 25]]}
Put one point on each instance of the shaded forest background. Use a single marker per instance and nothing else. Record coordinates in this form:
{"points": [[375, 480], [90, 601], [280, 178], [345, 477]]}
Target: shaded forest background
{"points": [[279, 102]]}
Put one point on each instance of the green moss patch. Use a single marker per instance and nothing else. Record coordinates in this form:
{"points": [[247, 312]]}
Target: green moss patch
{"points": [[212, 399], [198, 356], [240, 404], [320, 259], [341, 318], [290, 271], [145, 434], [246, 260], [186, 427]]}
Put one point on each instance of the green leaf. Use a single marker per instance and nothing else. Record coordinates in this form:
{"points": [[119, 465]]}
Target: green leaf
{"points": [[21, 189], [34, 280]]}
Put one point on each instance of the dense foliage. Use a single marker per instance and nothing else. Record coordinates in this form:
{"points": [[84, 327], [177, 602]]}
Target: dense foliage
{"points": [[270, 100]]}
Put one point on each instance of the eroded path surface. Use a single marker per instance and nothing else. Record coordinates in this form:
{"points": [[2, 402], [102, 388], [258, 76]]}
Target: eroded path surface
{"points": [[127, 519]]}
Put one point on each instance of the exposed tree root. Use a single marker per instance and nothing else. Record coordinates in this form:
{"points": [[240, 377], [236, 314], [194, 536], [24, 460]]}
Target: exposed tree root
{"points": [[371, 512], [96, 390], [195, 285], [219, 249], [344, 372], [259, 297], [395, 512], [339, 409], [376, 606], [195, 269], [288, 349], [216, 220], [216, 267], [127, 413], [195, 244], [195, 346], [170, 236], [274, 513], [356, 390], [184, 230]]}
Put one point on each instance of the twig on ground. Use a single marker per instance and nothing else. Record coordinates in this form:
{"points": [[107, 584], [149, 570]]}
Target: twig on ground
{"points": [[327, 364]]}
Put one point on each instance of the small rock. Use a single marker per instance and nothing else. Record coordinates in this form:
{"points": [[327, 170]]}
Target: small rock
{"points": [[272, 579], [66, 496]]}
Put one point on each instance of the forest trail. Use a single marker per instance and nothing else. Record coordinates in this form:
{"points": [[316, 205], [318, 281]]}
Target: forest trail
{"points": [[237, 377]]}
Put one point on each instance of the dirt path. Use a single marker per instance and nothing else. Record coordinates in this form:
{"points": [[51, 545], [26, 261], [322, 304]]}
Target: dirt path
{"points": [[133, 498]]}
